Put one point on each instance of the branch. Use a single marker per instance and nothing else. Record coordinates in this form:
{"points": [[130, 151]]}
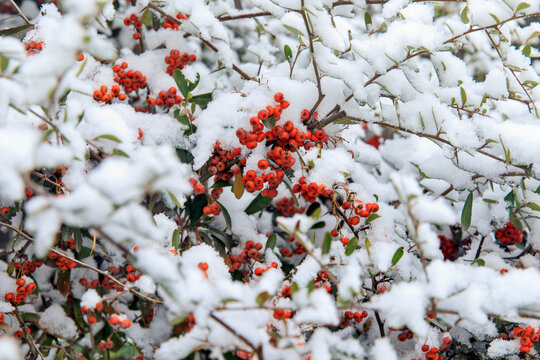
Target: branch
{"points": [[257, 350], [83, 264]]}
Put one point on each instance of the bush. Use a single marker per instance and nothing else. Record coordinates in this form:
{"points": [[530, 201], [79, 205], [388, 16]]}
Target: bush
{"points": [[269, 179]]}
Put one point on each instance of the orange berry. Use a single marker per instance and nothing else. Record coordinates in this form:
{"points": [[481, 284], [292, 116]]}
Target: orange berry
{"points": [[114, 320], [199, 189], [80, 57], [304, 115], [278, 97]]}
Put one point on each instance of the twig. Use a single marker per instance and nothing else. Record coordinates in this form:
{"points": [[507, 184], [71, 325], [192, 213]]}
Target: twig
{"points": [[27, 335], [257, 350], [243, 16], [20, 12]]}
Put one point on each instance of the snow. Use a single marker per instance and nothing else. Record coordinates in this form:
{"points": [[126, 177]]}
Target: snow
{"points": [[55, 321]]}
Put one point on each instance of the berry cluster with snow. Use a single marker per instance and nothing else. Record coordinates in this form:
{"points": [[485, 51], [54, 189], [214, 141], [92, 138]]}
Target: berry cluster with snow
{"points": [[269, 179]]}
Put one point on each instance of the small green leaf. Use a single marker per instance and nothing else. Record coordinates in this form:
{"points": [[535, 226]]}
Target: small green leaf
{"points": [[202, 100], [181, 82], [526, 50], [310, 287], [288, 53], [262, 297], [146, 18], [294, 287], [109, 137], [466, 213], [315, 211], [258, 204], [533, 206], [326, 243], [191, 85], [77, 239], [175, 241], [226, 214], [4, 62], [495, 18], [271, 242], [318, 225], [120, 153], [463, 96], [15, 30], [178, 320], [397, 256], [372, 217], [464, 17], [60, 354], [367, 19], [478, 262], [522, 6], [368, 245], [196, 208], [351, 246], [293, 30], [220, 184], [184, 155]]}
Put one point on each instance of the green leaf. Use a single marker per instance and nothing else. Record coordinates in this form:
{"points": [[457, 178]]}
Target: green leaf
{"points": [[345, 122], [183, 119], [326, 243], [478, 262], [181, 82], [174, 199], [368, 245], [310, 287], [60, 354], [15, 30], [293, 30], [367, 19], [175, 241], [120, 153], [351, 246], [220, 184], [463, 96], [533, 206], [271, 242], [77, 239], [526, 50], [146, 18], [294, 287], [184, 155], [196, 208], [202, 100], [192, 85], [258, 204], [495, 18], [4, 62], [288, 53], [109, 137], [397, 256], [464, 17], [314, 210], [226, 214], [466, 213], [318, 225], [372, 217], [178, 320], [522, 6], [262, 297]]}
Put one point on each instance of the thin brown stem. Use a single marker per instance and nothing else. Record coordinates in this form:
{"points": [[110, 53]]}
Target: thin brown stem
{"points": [[256, 349]]}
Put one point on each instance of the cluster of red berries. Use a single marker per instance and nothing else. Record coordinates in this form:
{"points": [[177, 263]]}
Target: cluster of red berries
{"points": [[169, 24], [27, 267], [212, 209], [166, 98], [298, 248], [31, 47], [282, 314], [310, 191], [349, 317], [252, 182], [322, 281], [130, 80], [23, 290], [132, 274], [287, 208], [103, 345], [528, 337], [105, 96], [252, 250], [89, 285], [2, 317], [244, 354], [198, 188], [509, 235], [222, 164], [63, 263], [434, 352], [176, 61], [4, 210], [140, 134], [449, 248], [357, 210], [286, 291], [374, 141], [259, 270], [137, 25], [91, 319], [123, 324], [405, 335], [106, 282]]}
